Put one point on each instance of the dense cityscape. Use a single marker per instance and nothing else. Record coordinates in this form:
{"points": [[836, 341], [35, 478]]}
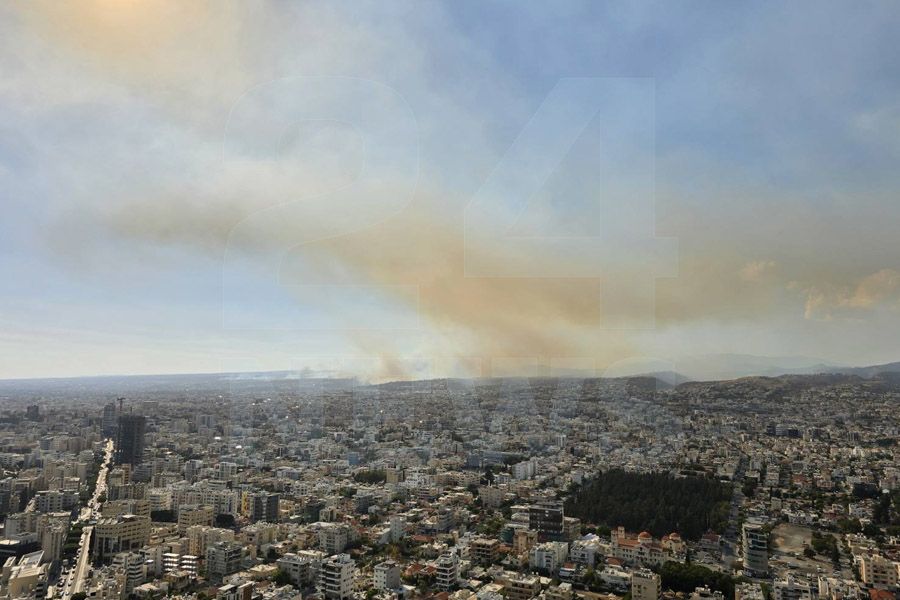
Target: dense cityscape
{"points": [[269, 487]]}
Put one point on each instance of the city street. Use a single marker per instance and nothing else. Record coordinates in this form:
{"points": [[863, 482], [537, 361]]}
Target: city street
{"points": [[75, 580]]}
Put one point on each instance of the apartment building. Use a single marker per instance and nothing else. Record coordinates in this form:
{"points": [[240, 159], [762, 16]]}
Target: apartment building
{"points": [[55, 500], [484, 551], [302, 567], [191, 515], [645, 585], [521, 587], [524, 540], [547, 519], [549, 557], [201, 537], [336, 577], [386, 576], [223, 558], [333, 538], [447, 571], [756, 549], [791, 588], [877, 571]]}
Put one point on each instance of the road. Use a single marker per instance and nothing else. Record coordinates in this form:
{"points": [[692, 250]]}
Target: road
{"points": [[75, 579], [730, 537]]}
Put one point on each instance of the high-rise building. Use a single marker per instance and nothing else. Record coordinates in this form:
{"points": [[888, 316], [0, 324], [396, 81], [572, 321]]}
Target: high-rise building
{"points": [[130, 439], [200, 538], [398, 528], [336, 577], [756, 549]]}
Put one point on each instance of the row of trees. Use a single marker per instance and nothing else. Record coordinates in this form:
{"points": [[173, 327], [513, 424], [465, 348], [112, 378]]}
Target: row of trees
{"points": [[655, 502]]}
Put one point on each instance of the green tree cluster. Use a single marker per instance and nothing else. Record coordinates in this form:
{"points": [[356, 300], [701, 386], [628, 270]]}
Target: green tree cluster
{"points": [[655, 502]]}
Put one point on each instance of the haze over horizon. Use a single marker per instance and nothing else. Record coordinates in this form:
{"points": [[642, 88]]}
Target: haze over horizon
{"points": [[400, 192]]}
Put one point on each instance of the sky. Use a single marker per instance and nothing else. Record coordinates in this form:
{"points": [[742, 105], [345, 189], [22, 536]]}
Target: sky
{"points": [[398, 190]]}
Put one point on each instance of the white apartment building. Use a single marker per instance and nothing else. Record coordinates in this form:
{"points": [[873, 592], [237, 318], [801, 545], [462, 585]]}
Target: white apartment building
{"points": [[302, 567], [447, 571], [749, 591], [791, 588], [25, 577], [398, 528], [55, 500], [333, 538], [586, 550], [549, 557], [524, 470], [133, 567], [159, 498], [173, 561], [832, 588], [53, 538], [386, 576], [336, 577], [616, 578]]}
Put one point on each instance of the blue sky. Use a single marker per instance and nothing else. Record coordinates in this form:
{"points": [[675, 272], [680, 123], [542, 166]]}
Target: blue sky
{"points": [[214, 187]]}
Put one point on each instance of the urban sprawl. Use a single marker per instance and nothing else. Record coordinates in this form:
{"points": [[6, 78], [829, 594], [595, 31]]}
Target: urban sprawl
{"points": [[252, 487]]}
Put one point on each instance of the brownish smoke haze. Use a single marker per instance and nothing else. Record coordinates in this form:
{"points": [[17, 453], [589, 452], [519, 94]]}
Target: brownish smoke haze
{"points": [[515, 317], [418, 256]]}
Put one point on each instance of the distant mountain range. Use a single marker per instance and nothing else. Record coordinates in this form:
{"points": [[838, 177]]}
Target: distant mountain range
{"points": [[724, 367], [719, 367], [868, 372]]}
